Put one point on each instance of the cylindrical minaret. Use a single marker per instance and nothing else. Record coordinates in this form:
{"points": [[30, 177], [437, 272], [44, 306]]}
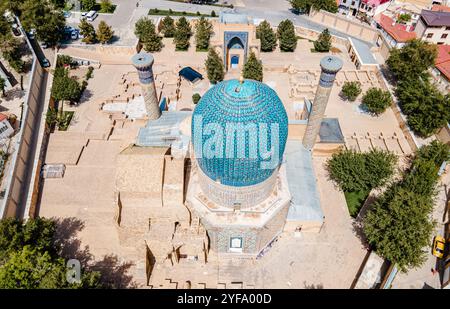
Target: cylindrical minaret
{"points": [[330, 66], [143, 62]]}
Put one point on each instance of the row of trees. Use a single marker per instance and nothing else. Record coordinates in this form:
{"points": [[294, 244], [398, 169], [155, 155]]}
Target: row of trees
{"points": [[104, 33], [427, 109], [45, 16], [399, 224], [106, 6], [180, 31], [306, 5], [31, 258], [285, 35]]}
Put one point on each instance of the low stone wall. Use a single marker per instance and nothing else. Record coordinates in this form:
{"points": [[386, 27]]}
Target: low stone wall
{"points": [[344, 25], [314, 35]]}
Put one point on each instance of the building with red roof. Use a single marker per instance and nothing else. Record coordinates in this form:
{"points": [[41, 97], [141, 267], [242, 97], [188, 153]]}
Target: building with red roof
{"points": [[441, 71], [440, 8], [396, 34]]}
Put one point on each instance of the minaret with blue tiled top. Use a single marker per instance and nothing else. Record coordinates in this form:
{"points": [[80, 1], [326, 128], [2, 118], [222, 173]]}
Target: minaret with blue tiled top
{"points": [[330, 67], [143, 62]]}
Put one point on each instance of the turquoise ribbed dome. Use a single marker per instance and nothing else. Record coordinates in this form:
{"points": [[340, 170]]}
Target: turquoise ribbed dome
{"points": [[251, 106]]}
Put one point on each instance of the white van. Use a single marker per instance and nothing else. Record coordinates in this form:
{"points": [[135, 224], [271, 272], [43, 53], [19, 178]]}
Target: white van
{"points": [[91, 16]]}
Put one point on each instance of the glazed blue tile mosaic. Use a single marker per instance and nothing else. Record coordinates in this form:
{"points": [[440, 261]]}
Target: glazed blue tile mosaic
{"points": [[250, 104]]}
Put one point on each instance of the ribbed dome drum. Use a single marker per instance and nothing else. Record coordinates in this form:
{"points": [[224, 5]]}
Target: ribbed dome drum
{"points": [[234, 126]]}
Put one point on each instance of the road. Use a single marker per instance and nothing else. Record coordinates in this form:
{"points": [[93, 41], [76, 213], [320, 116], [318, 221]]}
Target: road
{"points": [[127, 13]]}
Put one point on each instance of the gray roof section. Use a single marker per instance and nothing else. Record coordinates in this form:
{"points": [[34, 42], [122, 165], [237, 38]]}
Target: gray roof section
{"points": [[233, 18], [331, 63], [164, 131], [436, 18], [305, 203], [330, 131], [363, 51]]}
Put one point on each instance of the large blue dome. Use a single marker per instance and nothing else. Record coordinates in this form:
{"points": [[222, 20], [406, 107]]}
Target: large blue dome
{"points": [[234, 117]]}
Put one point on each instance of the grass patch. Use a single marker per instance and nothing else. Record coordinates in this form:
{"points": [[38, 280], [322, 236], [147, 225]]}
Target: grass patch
{"points": [[355, 200], [175, 13]]}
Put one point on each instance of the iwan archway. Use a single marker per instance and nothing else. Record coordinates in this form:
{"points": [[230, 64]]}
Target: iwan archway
{"points": [[235, 49]]}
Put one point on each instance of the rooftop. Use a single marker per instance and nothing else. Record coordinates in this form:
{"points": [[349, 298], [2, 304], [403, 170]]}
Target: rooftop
{"points": [[234, 18], [374, 2], [305, 202], [395, 30], [330, 131], [363, 52], [440, 8], [436, 18], [442, 62]]}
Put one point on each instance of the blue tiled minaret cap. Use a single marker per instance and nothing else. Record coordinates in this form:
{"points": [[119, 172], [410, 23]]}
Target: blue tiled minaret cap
{"points": [[331, 64], [142, 60], [247, 103]]}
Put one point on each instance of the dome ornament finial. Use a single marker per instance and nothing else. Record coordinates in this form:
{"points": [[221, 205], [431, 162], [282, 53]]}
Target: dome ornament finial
{"points": [[241, 82]]}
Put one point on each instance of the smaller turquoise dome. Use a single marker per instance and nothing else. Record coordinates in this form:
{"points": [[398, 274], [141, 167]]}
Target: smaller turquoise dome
{"points": [[229, 105]]}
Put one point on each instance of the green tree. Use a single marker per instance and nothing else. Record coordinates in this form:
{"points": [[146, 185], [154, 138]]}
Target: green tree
{"points": [[286, 36], [182, 34], [30, 257], [399, 226], [88, 32], [376, 101], [106, 6], [88, 5], [65, 88], [214, 67], [104, 32], [326, 5], [145, 30], [168, 27], [306, 5], [253, 68], [436, 151], [404, 18], [351, 90], [323, 43], [427, 109], [203, 32], [268, 38], [361, 171], [2, 86], [412, 60], [40, 15], [301, 5], [195, 98]]}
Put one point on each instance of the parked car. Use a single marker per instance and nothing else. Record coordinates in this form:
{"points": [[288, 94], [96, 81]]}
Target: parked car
{"points": [[32, 34], [91, 16], [44, 45], [67, 14], [83, 14], [45, 63], [74, 35], [438, 246]]}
